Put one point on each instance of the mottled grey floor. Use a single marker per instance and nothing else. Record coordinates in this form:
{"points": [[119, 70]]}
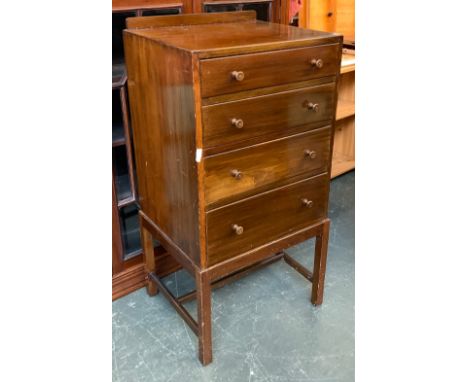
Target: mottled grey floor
{"points": [[264, 326]]}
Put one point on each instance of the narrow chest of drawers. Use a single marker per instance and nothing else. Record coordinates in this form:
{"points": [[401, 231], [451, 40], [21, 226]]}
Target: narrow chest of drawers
{"points": [[233, 122]]}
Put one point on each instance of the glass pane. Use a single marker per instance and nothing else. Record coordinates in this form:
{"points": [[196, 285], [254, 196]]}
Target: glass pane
{"points": [[119, 73], [121, 175], [130, 230], [130, 226], [161, 12], [118, 25], [223, 8], [118, 136], [262, 9]]}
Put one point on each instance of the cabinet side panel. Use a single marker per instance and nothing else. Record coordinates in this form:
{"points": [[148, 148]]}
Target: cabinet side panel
{"points": [[160, 84]]}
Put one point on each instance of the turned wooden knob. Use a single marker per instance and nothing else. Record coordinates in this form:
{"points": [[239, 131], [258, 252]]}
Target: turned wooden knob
{"points": [[310, 153], [237, 122], [312, 106], [317, 62], [236, 174], [238, 229], [308, 203], [237, 75]]}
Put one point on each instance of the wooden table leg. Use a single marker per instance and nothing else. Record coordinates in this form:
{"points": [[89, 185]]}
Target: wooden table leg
{"points": [[148, 257], [203, 285], [320, 264]]}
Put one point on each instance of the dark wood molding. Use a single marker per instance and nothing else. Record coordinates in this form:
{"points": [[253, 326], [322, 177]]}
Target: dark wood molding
{"points": [[128, 281], [134, 277]]}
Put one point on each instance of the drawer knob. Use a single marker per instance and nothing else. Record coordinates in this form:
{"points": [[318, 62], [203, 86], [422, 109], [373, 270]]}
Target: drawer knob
{"points": [[308, 203], [237, 122], [237, 75], [317, 62], [236, 174], [312, 106], [310, 153], [238, 229]]}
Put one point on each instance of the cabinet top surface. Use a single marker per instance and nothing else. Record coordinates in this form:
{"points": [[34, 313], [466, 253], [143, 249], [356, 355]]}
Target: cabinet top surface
{"points": [[222, 36]]}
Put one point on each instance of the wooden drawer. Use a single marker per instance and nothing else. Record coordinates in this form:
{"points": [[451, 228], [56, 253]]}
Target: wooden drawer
{"points": [[267, 114], [238, 173], [267, 69], [265, 217]]}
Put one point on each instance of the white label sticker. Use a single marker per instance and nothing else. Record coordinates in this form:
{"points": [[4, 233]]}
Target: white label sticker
{"points": [[198, 155]]}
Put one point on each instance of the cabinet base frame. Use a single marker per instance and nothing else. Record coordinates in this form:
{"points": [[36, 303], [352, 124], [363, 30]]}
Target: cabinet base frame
{"points": [[232, 269]]}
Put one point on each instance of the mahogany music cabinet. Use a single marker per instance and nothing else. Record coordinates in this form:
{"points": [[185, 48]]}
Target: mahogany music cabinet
{"points": [[233, 123]]}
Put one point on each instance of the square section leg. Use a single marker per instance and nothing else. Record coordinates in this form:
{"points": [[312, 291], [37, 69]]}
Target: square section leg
{"points": [[320, 264], [148, 257], [203, 285]]}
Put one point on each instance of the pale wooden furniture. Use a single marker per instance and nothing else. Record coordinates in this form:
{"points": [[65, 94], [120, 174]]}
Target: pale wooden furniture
{"points": [[343, 151], [338, 16], [329, 15], [127, 259]]}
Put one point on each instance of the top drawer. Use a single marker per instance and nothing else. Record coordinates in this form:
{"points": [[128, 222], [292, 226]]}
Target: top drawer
{"points": [[250, 71]]}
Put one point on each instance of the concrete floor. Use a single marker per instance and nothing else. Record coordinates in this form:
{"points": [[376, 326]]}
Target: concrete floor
{"points": [[264, 326]]}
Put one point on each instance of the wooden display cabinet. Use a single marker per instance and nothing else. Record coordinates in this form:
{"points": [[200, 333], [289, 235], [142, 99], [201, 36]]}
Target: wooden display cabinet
{"points": [[127, 259], [338, 16], [263, 8], [343, 148]]}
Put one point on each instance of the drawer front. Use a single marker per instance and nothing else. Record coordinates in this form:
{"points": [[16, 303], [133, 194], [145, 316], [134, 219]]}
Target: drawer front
{"points": [[239, 120], [251, 71], [245, 225], [236, 174]]}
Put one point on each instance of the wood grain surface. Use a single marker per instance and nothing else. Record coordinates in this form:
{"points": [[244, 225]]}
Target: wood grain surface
{"points": [[266, 69], [267, 114], [160, 85], [265, 217], [266, 165]]}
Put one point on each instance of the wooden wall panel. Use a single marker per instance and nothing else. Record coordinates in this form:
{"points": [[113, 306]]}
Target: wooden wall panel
{"points": [[344, 18], [331, 16]]}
